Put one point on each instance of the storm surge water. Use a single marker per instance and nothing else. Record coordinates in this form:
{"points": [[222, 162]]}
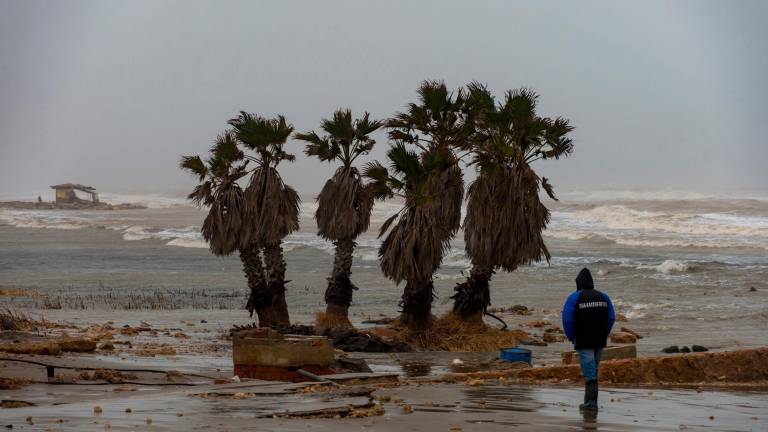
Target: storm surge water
{"points": [[672, 260]]}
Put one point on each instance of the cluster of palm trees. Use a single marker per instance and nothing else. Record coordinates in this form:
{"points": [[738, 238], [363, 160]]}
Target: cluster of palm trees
{"points": [[251, 209]]}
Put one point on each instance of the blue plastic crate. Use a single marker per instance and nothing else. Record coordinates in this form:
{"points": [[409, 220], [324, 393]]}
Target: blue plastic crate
{"points": [[515, 355]]}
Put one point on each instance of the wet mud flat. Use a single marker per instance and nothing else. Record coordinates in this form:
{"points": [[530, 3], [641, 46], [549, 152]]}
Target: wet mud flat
{"points": [[274, 406]]}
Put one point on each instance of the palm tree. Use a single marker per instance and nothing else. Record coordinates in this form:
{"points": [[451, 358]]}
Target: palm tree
{"points": [[271, 206], [438, 124], [414, 246], [226, 221], [432, 186], [505, 216], [344, 204]]}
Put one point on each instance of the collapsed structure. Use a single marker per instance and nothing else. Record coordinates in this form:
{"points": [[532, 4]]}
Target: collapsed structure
{"points": [[65, 194]]}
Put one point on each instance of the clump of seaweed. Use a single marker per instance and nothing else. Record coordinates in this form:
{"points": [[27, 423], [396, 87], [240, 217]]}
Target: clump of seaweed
{"points": [[449, 333]]}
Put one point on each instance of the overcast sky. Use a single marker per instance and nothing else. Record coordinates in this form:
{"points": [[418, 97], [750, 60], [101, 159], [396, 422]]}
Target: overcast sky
{"points": [[669, 95]]}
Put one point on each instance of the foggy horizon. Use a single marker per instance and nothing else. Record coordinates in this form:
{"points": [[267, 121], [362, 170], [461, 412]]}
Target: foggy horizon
{"points": [[663, 95]]}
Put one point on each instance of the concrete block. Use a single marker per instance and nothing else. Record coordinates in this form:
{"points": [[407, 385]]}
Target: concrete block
{"points": [[288, 351]]}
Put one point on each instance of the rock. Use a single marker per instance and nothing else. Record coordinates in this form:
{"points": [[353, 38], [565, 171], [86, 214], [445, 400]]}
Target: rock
{"points": [[128, 331], [519, 310], [685, 349], [107, 347], [539, 324], [351, 365], [551, 337], [632, 332], [752, 289], [532, 341], [671, 349], [203, 322], [623, 337], [699, 348]]}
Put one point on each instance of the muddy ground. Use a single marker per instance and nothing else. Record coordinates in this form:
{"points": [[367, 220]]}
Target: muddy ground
{"points": [[178, 376]]}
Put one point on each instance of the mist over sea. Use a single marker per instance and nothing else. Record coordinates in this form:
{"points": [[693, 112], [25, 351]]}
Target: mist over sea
{"points": [[679, 265]]}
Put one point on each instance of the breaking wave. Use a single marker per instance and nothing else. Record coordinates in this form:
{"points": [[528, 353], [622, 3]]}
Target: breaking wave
{"points": [[631, 227]]}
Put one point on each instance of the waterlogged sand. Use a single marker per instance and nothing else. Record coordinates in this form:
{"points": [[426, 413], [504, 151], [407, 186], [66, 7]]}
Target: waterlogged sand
{"points": [[433, 407], [417, 405]]}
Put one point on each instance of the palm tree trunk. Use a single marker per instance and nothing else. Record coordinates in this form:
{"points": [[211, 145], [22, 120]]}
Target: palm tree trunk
{"points": [[338, 295], [275, 263], [260, 299], [416, 304], [473, 296]]}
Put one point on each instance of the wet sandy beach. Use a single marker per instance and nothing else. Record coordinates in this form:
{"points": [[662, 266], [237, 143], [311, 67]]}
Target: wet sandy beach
{"points": [[435, 407]]}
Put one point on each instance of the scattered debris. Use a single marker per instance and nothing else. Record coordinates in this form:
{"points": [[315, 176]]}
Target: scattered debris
{"points": [[11, 403], [632, 332], [623, 337], [380, 321], [13, 383], [748, 366]]}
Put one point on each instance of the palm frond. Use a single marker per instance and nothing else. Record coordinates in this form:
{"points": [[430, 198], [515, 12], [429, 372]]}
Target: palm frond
{"points": [[195, 165]]}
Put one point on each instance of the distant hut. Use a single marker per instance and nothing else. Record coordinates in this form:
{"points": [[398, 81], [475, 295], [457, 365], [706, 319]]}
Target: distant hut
{"points": [[65, 194]]}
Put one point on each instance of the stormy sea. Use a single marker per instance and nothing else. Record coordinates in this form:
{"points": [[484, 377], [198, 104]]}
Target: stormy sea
{"points": [[686, 268]]}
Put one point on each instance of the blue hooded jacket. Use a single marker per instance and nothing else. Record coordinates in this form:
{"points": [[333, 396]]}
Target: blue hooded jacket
{"points": [[588, 314]]}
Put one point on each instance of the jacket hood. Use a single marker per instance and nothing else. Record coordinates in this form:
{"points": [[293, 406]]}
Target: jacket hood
{"points": [[584, 280]]}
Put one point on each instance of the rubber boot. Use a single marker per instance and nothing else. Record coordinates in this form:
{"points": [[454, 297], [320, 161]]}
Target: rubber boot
{"points": [[590, 396]]}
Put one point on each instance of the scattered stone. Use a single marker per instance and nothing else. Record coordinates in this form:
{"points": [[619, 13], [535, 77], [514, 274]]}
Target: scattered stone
{"points": [[671, 349], [107, 347], [752, 289], [128, 410], [623, 337], [685, 349], [457, 362], [699, 348], [203, 322], [531, 341], [551, 337], [632, 332], [180, 335], [539, 324], [519, 309], [128, 331]]}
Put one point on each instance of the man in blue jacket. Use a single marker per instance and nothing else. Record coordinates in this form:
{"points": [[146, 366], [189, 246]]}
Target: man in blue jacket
{"points": [[588, 317]]}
